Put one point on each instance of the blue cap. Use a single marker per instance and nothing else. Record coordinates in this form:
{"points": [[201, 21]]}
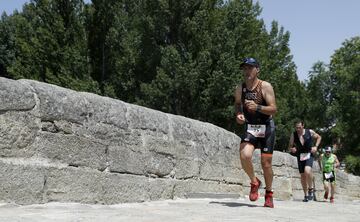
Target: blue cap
{"points": [[250, 61]]}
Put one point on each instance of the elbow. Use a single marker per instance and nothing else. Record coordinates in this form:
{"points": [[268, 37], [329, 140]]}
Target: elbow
{"points": [[274, 110]]}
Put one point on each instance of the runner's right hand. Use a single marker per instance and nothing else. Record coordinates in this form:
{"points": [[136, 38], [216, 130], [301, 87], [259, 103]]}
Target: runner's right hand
{"points": [[293, 150], [240, 118]]}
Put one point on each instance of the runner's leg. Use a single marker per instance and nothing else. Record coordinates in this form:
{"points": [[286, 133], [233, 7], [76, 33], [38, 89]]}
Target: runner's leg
{"points": [[246, 153], [266, 164], [304, 183], [332, 185]]}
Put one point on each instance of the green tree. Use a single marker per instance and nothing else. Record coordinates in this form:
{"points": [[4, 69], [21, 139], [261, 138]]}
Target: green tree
{"points": [[50, 44], [7, 42], [345, 66], [320, 94]]}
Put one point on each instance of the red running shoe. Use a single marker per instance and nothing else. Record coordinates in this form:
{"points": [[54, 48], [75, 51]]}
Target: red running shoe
{"points": [[254, 194], [331, 199], [269, 199], [326, 195]]}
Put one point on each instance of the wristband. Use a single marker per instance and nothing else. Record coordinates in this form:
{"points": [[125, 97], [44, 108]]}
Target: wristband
{"points": [[258, 108]]}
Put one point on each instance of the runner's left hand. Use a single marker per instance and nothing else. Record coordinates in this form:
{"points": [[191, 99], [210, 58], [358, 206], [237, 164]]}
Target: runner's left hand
{"points": [[250, 105]]}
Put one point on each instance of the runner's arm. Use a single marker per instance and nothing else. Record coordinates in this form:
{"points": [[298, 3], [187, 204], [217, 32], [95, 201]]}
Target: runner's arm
{"points": [[240, 118], [269, 96], [317, 137], [337, 162], [238, 104], [320, 161], [291, 147]]}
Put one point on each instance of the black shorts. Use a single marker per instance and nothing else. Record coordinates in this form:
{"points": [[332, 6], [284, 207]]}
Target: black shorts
{"points": [[302, 164], [266, 144], [332, 179]]}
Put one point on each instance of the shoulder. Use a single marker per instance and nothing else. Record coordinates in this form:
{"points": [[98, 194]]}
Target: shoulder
{"points": [[266, 84], [312, 132], [267, 89], [238, 89], [238, 86]]}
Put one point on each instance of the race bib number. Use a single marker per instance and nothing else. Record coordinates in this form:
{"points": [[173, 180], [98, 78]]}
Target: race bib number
{"points": [[304, 156], [257, 130], [329, 175]]}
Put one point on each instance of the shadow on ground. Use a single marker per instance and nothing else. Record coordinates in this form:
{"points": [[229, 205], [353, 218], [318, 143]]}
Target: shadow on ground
{"points": [[234, 204]]}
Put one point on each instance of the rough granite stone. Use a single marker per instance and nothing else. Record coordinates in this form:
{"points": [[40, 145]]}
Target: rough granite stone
{"points": [[60, 145]]}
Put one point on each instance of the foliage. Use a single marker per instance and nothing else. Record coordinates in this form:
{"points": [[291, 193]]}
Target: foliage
{"points": [[48, 43], [334, 94]]}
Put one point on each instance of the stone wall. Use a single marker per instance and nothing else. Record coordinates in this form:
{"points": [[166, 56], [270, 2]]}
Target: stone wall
{"points": [[60, 145]]}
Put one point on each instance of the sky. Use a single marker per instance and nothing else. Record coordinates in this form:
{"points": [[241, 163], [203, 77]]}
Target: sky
{"points": [[317, 27]]}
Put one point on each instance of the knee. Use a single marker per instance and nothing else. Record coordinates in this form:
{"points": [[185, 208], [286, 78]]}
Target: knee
{"points": [[245, 156], [266, 164], [307, 171], [245, 153]]}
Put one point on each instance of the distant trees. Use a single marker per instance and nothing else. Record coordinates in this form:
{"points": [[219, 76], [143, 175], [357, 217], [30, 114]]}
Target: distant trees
{"points": [[48, 42], [180, 57], [334, 94]]}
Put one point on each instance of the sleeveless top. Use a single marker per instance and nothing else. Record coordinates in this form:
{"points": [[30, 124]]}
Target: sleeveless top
{"points": [[255, 95], [306, 148], [328, 163]]}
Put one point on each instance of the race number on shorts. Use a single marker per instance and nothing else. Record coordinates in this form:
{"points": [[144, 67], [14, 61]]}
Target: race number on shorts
{"points": [[257, 130], [329, 175], [304, 156]]}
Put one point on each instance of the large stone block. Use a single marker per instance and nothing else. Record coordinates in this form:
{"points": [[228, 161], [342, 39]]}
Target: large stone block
{"points": [[280, 172], [22, 184], [279, 159], [161, 143], [282, 188], [106, 110], [126, 159], [73, 184], [108, 134], [18, 130], [182, 128], [15, 96], [129, 188], [187, 168], [70, 149], [210, 170], [57, 103], [147, 119]]}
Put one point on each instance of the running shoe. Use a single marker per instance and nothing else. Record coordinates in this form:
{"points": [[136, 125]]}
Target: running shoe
{"points": [[331, 199], [254, 190], [269, 199], [311, 194], [306, 199]]}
